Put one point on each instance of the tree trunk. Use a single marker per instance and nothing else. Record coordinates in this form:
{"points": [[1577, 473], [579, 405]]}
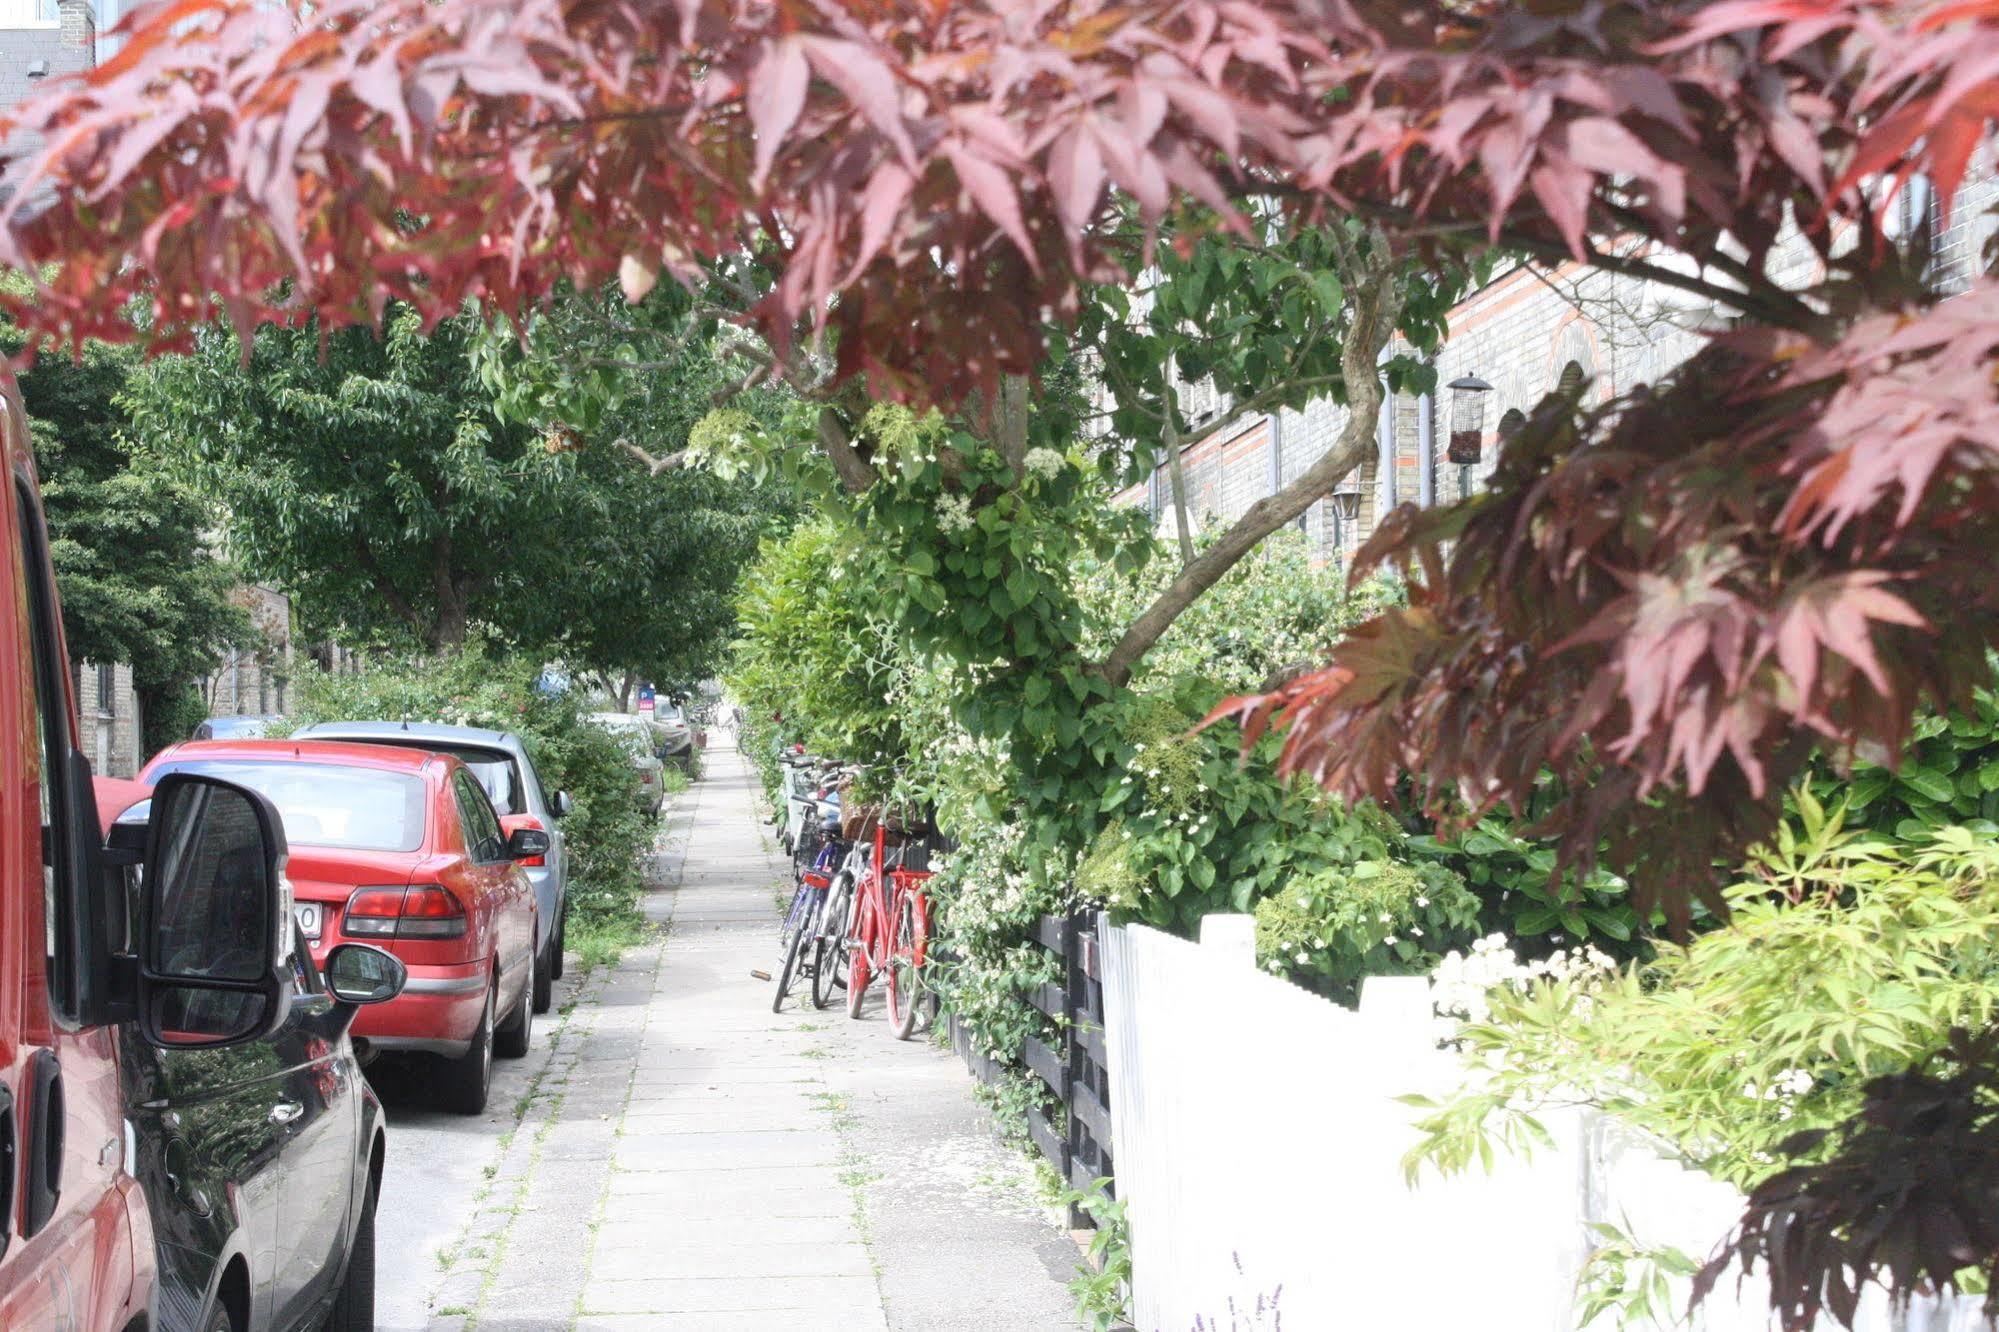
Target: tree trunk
{"points": [[1377, 304], [624, 691], [1176, 474]]}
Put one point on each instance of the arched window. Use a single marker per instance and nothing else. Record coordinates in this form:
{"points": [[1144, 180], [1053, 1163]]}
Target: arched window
{"points": [[1572, 378]]}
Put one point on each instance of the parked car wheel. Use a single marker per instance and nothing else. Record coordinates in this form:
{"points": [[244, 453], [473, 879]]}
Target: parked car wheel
{"points": [[354, 1309], [463, 1082], [544, 983], [514, 1035]]}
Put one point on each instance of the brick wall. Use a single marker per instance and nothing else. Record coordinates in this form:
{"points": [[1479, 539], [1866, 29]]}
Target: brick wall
{"points": [[255, 680], [1518, 334], [33, 50], [108, 712]]}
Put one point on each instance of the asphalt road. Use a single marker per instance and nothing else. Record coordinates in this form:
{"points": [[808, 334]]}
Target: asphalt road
{"points": [[437, 1166]]}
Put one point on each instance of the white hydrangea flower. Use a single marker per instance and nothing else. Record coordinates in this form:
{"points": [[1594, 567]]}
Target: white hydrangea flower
{"points": [[954, 513], [1044, 463]]}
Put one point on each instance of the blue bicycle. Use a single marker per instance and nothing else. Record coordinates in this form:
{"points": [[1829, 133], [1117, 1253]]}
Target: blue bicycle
{"points": [[803, 921]]}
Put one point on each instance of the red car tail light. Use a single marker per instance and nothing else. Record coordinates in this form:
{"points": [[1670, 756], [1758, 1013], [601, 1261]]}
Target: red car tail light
{"points": [[421, 911]]}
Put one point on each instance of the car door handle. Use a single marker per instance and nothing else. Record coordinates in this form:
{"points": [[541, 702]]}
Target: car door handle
{"points": [[284, 1112]]}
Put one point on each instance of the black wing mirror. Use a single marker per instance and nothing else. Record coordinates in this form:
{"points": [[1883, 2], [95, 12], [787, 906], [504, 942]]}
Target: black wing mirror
{"points": [[525, 843], [215, 960], [363, 974]]}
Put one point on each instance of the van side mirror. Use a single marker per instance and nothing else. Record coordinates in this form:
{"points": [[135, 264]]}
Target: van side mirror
{"points": [[215, 964], [563, 804], [363, 974]]}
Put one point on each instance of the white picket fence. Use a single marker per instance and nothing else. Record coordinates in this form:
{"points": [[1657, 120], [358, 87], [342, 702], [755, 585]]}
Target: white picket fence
{"points": [[1259, 1143]]}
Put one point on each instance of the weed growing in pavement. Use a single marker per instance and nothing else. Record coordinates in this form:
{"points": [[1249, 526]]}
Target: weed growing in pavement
{"points": [[815, 1053], [1102, 1285], [600, 943]]}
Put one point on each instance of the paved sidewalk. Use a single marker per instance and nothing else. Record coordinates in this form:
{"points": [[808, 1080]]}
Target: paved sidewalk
{"points": [[687, 1159]]}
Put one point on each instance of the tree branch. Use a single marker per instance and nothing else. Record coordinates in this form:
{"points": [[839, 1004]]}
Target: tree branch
{"points": [[656, 466], [853, 469], [386, 588], [1377, 303], [1010, 421], [1176, 472]]}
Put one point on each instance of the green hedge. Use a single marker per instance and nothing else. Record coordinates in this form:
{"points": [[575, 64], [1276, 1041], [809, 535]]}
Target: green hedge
{"points": [[609, 837]]}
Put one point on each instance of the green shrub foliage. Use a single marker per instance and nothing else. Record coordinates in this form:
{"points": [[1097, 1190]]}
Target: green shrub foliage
{"points": [[608, 836]]}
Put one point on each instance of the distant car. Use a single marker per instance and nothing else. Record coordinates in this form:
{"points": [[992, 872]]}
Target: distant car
{"points": [[233, 728], [501, 763], [675, 732], [643, 745], [401, 848]]}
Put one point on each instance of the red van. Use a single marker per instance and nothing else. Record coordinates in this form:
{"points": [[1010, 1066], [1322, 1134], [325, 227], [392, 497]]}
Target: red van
{"points": [[401, 848], [195, 958]]}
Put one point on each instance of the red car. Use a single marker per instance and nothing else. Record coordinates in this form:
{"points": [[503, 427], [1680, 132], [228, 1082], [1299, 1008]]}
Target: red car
{"points": [[401, 848]]}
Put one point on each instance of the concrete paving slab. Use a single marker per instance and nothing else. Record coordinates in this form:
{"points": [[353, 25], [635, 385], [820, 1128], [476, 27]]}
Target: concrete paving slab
{"points": [[686, 1159]]}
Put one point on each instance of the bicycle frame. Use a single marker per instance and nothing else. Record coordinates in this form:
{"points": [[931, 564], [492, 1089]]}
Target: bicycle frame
{"points": [[881, 892]]}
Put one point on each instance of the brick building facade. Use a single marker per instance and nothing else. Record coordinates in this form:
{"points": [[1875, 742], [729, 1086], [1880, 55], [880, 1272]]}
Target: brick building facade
{"points": [[1520, 333]]}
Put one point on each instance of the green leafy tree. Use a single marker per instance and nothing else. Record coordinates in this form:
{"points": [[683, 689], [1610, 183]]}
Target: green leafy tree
{"points": [[377, 478], [481, 685], [137, 579]]}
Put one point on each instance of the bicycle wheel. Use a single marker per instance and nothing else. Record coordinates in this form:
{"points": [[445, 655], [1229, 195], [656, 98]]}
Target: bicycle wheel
{"points": [[861, 951], [791, 918], [829, 950], [905, 971], [801, 939]]}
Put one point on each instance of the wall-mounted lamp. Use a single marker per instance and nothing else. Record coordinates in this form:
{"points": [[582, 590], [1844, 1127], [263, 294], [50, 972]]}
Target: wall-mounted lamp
{"points": [[38, 69], [1467, 418]]}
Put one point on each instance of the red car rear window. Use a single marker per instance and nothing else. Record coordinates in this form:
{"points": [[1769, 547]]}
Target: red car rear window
{"points": [[324, 804]]}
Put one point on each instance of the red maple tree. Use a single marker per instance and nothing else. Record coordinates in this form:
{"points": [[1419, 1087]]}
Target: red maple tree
{"points": [[1667, 602]]}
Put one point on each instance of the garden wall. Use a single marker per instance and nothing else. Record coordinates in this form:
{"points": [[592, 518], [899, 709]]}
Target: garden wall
{"points": [[1259, 1158]]}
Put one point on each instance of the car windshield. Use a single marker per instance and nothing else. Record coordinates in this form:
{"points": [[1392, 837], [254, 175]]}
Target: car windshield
{"points": [[495, 768], [235, 728], [635, 731], [322, 804]]}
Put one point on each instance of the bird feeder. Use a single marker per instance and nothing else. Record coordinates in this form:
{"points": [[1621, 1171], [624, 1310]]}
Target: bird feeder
{"points": [[1467, 419]]}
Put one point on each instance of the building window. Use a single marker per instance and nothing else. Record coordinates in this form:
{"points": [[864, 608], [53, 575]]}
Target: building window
{"points": [[107, 691], [29, 14]]}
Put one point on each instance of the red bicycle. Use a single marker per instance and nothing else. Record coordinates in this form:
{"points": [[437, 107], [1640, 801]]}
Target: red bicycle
{"points": [[889, 934]]}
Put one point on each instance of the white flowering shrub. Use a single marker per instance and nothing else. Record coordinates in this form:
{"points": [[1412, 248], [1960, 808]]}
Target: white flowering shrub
{"points": [[1846, 960], [1334, 928], [1462, 983]]}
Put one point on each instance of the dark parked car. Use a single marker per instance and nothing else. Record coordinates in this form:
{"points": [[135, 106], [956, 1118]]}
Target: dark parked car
{"points": [[260, 1158]]}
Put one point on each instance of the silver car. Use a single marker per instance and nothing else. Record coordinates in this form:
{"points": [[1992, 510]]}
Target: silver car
{"points": [[641, 739], [501, 763], [676, 734]]}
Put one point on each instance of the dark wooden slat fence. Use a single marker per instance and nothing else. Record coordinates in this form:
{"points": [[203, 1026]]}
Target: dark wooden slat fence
{"points": [[1077, 1141]]}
